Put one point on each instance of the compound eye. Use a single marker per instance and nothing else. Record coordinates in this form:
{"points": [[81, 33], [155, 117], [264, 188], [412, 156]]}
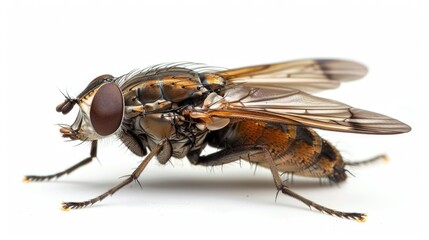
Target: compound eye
{"points": [[107, 109]]}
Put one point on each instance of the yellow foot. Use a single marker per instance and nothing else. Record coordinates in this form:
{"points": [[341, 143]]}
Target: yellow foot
{"points": [[26, 180], [64, 207], [362, 218], [385, 158]]}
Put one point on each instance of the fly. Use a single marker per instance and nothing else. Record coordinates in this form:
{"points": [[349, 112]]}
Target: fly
{"points": [[263, 114]]}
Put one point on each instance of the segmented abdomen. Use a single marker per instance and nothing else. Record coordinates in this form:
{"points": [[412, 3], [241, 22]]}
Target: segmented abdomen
{"points": [[294, 149]]}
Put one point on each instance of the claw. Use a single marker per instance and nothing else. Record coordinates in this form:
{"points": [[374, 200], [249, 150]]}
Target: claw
{"points": [[362, 218], [26, 180], [385, 158], [64, 208]]}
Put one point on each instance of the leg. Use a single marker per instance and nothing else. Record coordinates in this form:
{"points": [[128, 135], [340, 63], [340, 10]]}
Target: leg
{"points": [[371, 160], [224, 156], [233, 154], [360, 217], [93, 154], [133, 177]]}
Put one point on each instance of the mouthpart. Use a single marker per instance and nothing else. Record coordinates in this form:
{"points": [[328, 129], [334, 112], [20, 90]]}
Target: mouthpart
{"points": [[70, 133]]}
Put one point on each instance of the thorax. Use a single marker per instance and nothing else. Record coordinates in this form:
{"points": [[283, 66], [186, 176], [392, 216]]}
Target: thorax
{"points": [[154, 105]]}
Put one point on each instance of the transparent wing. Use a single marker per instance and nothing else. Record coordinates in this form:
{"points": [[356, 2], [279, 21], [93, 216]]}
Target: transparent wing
{"points": [[297, 108], [312, 75]]}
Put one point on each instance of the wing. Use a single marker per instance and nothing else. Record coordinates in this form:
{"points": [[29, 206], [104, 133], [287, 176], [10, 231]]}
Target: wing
{"points": [[293, 107], [312, 75]]}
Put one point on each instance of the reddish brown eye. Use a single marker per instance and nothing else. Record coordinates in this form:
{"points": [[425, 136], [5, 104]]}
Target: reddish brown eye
{"points": [[107, 109]]}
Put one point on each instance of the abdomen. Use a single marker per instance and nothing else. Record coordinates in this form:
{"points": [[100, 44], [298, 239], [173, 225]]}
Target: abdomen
{"points": [[294, 149]]}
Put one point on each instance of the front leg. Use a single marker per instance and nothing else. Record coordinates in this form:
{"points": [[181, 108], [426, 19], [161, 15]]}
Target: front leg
{"points": [[93, 154]]}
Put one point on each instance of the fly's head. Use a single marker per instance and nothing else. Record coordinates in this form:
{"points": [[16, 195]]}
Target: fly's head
{"points": [[101, 110]]}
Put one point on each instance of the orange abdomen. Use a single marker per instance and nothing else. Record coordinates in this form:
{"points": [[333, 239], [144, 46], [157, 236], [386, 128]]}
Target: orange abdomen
{"points": [[294, 149]]}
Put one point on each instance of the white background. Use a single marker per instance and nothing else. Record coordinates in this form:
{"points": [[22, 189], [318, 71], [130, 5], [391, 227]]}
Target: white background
{"points": [[48, 46]]}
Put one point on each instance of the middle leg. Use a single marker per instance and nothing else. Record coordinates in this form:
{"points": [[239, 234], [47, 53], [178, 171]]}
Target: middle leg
{"points": [[133, 177]]}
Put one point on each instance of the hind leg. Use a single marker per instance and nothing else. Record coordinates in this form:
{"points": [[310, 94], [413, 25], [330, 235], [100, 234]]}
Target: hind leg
{"points": [[367, 161], [236, 153], [360, 217]]}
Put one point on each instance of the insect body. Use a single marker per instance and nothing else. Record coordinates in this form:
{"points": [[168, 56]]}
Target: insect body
{"points": [[263, 114]]}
